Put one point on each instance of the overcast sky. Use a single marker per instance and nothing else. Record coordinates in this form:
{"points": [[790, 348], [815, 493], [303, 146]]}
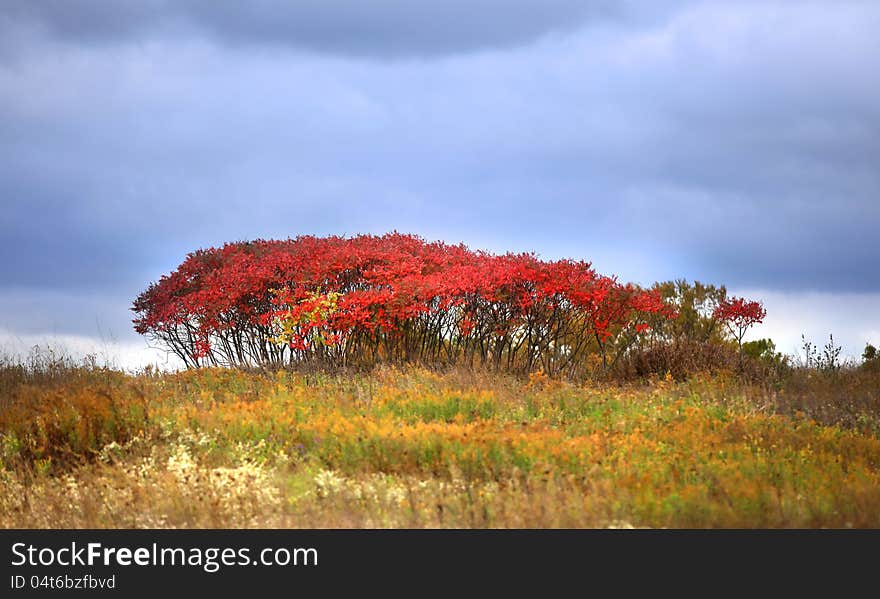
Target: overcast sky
{"points": [[731, 142]]}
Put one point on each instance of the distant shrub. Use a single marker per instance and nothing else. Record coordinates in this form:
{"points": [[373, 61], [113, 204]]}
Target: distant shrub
{"points": [[870, 359], [764, 350], [828, 360], [680, 359]]}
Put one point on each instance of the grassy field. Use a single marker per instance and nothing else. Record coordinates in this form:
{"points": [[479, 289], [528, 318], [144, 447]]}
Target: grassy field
{"points": [[89, 447]]}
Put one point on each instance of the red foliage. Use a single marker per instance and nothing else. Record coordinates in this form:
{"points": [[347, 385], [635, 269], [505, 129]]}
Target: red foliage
{"points": [[739, 315], [395, 296]]}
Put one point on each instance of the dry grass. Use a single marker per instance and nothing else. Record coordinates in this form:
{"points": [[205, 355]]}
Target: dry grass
{"points": [[90, 447]]}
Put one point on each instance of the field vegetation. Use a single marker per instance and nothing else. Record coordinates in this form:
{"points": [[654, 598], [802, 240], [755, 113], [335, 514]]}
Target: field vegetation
{"points": [[412, 447]]}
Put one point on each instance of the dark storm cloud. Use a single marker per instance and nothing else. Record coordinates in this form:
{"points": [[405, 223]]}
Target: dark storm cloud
{"points": [[382, 28]]}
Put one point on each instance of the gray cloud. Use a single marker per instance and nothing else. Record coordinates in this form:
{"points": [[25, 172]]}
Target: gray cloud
{"points": [[380, 28]]}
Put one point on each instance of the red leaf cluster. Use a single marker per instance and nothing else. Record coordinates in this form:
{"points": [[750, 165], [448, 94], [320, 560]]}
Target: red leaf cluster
{"points": [[392, 297], [739, 315]]}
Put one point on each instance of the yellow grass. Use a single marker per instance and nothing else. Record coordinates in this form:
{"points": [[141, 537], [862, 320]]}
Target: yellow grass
{"points": [[412, 448]]}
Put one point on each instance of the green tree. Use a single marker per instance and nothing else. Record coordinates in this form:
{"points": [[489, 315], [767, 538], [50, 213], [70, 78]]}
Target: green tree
{"points": [[695, 303], [764, 350], [761, 348]]}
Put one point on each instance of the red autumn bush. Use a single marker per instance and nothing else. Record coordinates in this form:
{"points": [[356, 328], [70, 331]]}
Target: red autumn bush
{"points": [[739, 315], [365, 299]]}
